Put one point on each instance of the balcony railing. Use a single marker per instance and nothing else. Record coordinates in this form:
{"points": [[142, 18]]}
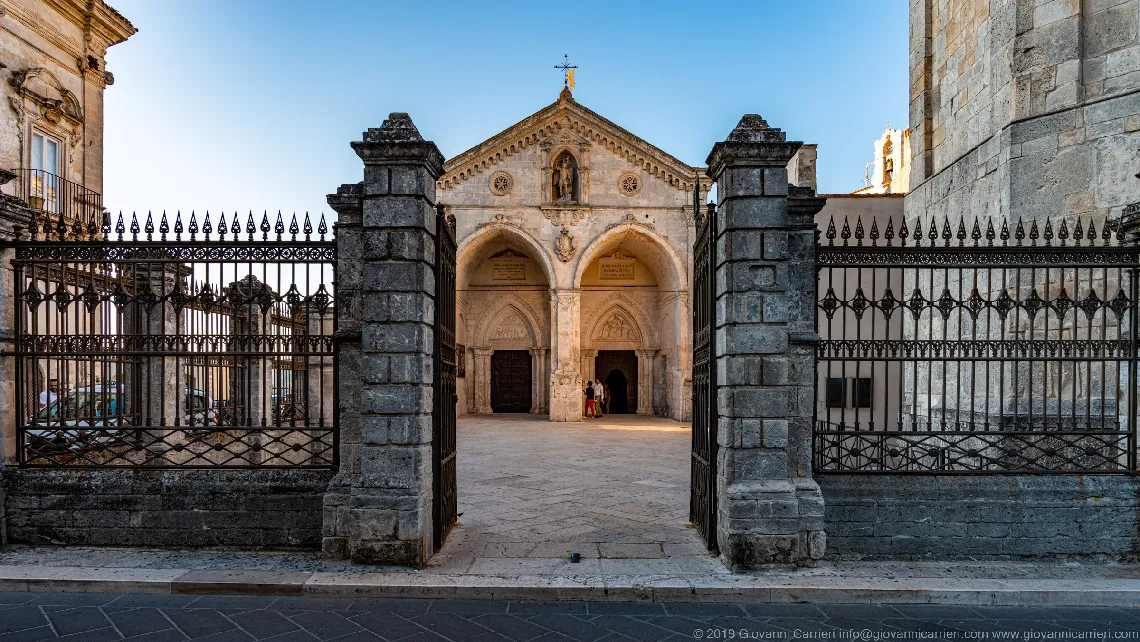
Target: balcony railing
{"points": [[60, 202]]}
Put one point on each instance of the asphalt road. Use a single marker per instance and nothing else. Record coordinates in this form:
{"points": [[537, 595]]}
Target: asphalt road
{"points": [[94, 617]]}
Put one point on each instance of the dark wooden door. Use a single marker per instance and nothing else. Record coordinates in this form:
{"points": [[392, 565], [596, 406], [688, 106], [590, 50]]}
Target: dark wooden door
{"points": [[510, 381], [618, 370]]}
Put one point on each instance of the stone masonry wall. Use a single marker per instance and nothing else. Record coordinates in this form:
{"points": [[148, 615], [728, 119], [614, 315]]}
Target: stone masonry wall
{"points": [[1023, 108], [270, 509], [980, 516]]}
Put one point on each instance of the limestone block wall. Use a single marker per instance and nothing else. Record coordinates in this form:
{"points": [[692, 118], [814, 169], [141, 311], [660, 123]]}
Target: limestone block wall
{"points": [[942, 517], [1025, 108], [271, 509]]}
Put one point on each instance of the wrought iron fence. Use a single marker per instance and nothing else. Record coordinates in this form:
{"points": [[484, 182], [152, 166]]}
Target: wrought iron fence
{"points": [[176, 347], [976, 347]]}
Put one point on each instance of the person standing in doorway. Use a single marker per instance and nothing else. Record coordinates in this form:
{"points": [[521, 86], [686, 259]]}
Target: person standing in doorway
{"points": [[606, 392], [599, 398], [590, 411]]}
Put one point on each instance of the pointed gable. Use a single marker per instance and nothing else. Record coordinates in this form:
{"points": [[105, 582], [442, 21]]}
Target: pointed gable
{"points": [[566, 121]]}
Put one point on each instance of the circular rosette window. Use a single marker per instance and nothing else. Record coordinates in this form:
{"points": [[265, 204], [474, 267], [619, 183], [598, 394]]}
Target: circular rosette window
{"points": [[501, 183], [629, 184]]}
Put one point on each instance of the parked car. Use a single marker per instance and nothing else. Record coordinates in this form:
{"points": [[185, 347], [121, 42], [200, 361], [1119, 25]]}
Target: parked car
{"points": [[93, 415]]}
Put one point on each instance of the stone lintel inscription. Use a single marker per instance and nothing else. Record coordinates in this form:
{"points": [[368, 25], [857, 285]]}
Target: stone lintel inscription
{"points": [[610, 269], [508, 270]]}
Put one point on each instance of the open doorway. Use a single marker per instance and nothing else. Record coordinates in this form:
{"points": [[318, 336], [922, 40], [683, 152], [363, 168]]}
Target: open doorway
{"points": [[617, 369]]}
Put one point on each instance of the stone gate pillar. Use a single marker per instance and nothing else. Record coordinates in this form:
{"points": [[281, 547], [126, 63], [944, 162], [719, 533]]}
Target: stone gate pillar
{"points": [[770, 509], [379, 506]]}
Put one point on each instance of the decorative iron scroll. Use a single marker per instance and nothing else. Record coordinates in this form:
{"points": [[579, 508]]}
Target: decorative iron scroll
{"points": [[976, 347], [175, 346]]}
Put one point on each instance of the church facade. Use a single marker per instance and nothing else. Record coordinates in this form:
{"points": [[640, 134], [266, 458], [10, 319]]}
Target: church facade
{"points": [[574, 264]]}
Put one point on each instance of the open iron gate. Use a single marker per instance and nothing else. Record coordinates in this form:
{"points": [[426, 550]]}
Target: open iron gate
{"points": [[702, 499], [445, 504]]}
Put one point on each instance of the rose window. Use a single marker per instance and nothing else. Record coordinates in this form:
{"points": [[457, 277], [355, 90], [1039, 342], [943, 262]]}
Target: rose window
{"points": [[629, 184], [501, 183]]}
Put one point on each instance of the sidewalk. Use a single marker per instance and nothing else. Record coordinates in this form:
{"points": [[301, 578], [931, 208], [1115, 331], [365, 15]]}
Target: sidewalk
{"points": [[595, 578]]}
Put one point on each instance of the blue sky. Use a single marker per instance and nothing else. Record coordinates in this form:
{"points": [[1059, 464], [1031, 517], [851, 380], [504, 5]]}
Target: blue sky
{"points": [[251, 104]]}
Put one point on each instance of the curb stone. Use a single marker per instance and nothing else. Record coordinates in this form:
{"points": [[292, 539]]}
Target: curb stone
{"points": [[733, 588]]}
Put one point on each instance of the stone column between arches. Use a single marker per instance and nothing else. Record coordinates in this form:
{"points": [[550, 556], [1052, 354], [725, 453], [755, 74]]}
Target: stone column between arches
{"points": [[566, 380]]}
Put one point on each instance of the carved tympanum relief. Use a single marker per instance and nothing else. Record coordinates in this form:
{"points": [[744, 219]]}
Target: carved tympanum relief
{"points": [[617, 326], [511, 328]]}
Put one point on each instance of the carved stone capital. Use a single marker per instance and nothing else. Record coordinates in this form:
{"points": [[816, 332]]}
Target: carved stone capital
{"points": [[566, 300]]}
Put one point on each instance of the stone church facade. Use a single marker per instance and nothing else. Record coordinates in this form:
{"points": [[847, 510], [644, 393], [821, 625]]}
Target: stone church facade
{"points": [[574, 263]]}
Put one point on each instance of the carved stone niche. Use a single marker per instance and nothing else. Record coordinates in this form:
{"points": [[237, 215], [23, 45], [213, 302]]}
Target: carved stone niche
{"points": [[565, 185]]}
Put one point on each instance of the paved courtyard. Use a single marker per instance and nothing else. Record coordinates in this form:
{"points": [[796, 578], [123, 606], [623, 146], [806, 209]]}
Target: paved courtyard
{"points": [[611, 488]]}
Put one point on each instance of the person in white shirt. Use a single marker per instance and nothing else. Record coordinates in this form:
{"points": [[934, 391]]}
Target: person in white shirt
{"points": [[599, 397], [51, 394]]}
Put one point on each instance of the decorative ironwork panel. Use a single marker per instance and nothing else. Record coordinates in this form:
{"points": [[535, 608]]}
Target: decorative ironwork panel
{"points": [[976, 347], [703, 496], [446, 500], [173, 345]]}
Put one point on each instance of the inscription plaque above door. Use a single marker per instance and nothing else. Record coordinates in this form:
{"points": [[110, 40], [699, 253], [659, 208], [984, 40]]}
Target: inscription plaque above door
{"points": [[508, 265], [616, 267]]}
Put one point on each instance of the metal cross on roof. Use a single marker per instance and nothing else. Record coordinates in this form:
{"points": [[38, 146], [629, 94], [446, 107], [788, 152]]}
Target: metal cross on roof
{"points": [[567, 71]]}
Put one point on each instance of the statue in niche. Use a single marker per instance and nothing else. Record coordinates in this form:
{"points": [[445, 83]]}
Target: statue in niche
{"points": [[564, 176]]}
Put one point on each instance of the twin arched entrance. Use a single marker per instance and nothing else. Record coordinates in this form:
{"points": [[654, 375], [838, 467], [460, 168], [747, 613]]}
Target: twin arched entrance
{"points": [[631, 331]]}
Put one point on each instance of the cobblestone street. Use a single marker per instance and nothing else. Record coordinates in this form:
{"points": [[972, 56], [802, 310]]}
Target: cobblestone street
{"points": [[218, 618]]}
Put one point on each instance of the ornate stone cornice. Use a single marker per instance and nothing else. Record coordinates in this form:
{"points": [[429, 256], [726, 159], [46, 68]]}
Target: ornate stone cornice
{"points": [[567, 122], [102, 27]]}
